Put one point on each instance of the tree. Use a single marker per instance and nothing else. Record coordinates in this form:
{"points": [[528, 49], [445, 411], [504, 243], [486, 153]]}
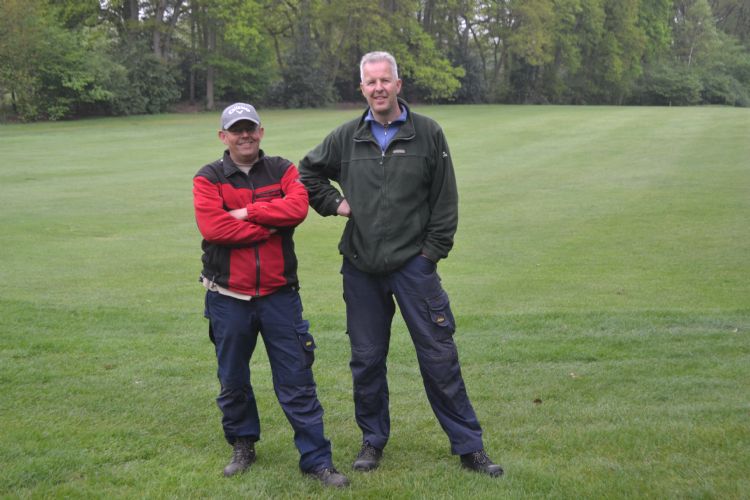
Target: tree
{"points": [[531, 46], [306, 78], [78, 57], [155, 20], [229, 49], [733, 18], [340, 32], [52, 72], [20, 31], [451, 25], [705, 64], [695, 34], [654, 18]]}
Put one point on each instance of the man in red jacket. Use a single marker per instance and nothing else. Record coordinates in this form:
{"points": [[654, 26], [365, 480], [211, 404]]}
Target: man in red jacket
{"points": [[247, 205]]}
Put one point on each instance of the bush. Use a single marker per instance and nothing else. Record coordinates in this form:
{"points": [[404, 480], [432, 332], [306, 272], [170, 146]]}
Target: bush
{"points": [[670, 85], [151, 84]]}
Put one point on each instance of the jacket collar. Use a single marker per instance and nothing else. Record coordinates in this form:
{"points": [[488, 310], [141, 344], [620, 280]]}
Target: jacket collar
{"points": [[231, 168], [363, 133]]}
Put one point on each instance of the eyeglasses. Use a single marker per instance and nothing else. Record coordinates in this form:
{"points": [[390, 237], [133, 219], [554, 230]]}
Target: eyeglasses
{"points": [[250, 128]]}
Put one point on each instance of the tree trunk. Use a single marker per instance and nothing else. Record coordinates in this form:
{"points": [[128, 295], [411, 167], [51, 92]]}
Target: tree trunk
{"points": [[171, 26], [193, 49], [156, 28], [132, 10], [210, 71]]}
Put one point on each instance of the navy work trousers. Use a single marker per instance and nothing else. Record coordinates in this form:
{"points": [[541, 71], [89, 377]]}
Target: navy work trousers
{"points": [[425, 308], [234, 329]]}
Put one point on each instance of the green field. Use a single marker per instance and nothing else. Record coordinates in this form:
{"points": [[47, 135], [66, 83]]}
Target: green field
{"points": [[600, 281]]}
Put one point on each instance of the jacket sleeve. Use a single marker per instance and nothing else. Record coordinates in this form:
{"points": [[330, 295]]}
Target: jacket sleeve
{"points": [[443, 200], [288, 211], [215, 223], [321, 166]]}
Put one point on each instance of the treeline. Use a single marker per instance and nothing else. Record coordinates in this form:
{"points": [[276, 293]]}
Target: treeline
{"points": [[70, 58]]}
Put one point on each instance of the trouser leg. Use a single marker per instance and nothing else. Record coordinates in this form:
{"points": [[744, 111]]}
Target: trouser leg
{"points": [[369, 313], [290, 353], [426, 311], [234, 334]]}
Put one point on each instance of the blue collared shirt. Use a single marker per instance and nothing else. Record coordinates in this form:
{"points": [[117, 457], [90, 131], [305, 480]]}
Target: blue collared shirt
{"points": [[384, 134]]}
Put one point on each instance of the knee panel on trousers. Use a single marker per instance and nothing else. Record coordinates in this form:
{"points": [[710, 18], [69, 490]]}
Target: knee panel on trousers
{"points": [[368, 362], [291, 377]]}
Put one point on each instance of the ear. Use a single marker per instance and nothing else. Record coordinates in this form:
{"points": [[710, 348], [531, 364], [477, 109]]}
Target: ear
{"points": [[223, 136]]}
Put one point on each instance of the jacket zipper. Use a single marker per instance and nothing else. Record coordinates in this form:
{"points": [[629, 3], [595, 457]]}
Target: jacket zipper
{"points": [[382, 158], [257, 252], [384, 228]]}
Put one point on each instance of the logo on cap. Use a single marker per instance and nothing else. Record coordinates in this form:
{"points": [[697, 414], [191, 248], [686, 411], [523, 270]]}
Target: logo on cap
{"points": [[239, 108], [236, 112]]}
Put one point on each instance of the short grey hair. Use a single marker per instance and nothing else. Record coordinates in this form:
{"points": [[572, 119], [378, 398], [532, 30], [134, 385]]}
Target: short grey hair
{"points": [[372, 57]]}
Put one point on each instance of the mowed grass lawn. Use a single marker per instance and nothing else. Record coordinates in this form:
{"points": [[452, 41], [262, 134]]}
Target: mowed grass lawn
{"points": [[600, 280]]}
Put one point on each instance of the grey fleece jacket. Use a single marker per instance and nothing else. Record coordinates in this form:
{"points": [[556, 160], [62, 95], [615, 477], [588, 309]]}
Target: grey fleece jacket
{"points": [[404, 200]]}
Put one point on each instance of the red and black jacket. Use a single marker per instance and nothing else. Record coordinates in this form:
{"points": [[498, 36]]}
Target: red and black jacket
{"points": [[243, 255]]}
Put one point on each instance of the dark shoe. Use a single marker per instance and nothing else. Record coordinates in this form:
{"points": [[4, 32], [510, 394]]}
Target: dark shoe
{"points": [[329, 476], [368, 458], [243, 456], [480, 462]]}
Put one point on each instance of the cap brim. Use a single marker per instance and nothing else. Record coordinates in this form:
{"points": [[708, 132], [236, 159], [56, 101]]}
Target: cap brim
{"points": [[240, 119]]}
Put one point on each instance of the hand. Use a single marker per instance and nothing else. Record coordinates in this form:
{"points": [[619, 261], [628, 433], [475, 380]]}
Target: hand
{"points": [[240, 213], [344, 210], [426, 257]]}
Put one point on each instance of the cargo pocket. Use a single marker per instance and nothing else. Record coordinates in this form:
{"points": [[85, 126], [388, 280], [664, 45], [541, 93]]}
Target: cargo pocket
{"points": [[440, 313], [307, 342]]}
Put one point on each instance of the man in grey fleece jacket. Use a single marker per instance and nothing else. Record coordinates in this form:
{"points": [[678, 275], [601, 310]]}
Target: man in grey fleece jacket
{"points": [[399, 194]]}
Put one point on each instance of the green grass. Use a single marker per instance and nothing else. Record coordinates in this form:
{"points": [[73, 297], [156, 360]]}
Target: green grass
{"points": [[601, 269]]}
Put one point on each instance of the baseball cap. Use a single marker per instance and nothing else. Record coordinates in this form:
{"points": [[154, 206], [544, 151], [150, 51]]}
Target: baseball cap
{"points": [[236, 112]]}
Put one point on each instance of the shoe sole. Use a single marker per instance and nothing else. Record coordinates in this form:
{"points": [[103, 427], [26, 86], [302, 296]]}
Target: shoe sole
{"points": [[484, 471], [328, 484], [239, 471], [365, 467]]}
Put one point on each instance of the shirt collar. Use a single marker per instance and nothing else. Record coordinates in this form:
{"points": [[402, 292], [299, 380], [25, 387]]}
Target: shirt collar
{"points": [[401, 118], [229, 166]]}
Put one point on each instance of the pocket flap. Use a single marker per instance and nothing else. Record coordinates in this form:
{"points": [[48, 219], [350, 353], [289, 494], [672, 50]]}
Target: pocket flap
{"points": [[439, 311], [307, 341], [303, 334]]}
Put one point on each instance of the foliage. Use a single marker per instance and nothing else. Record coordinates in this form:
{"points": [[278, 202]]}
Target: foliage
{"points": [[150, 85], [301, 85], [733, 18], [82, 57], [726, 77], [314, 40], [54, 73], [234, 50], [47, 69], [673, 84]]}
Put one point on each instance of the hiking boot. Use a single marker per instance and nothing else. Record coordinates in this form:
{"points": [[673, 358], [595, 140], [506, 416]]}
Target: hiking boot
{"points": [[243, 455], [329, 476], [480, 462], [368, 458]]}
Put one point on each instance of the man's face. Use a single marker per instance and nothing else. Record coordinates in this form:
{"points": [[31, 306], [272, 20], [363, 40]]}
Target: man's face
{"points": [[380, 88], [243, 141]]}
